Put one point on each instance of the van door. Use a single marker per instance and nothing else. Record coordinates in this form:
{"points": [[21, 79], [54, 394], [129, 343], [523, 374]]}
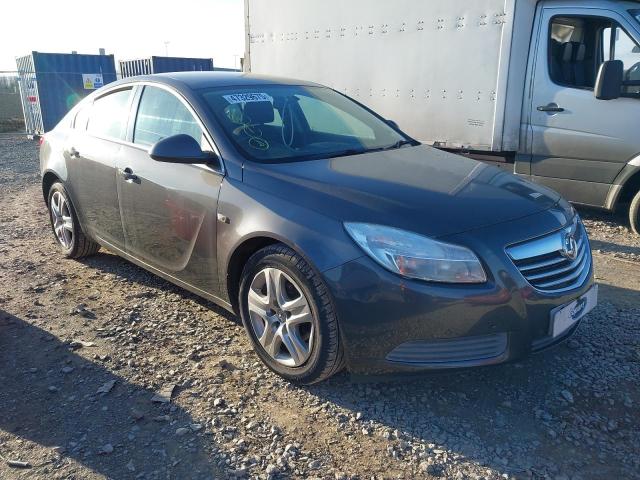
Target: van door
{"points": [[580, 144]]}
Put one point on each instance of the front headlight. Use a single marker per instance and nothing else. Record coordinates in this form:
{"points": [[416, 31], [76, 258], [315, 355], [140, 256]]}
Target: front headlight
{"points": [[414, 256]]}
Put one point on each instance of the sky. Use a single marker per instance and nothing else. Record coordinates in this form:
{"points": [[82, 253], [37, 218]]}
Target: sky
{"points": [[128, 29]]}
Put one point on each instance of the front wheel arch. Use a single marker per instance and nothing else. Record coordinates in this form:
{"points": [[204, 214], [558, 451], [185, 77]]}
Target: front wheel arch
{"points": [[241, 255], [634, 213], [326, 357]]}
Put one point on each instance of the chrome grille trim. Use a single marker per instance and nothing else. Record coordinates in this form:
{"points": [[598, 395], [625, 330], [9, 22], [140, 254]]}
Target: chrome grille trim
{"points": [[544, 264], [563, 269], [547, 263]]}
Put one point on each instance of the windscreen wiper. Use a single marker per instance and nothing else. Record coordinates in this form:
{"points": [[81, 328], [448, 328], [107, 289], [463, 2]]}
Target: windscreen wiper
{"points": [[399, 144], [347, 153]]}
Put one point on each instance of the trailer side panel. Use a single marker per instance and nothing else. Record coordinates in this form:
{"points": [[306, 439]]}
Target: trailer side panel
{"points": [[439, 68]]}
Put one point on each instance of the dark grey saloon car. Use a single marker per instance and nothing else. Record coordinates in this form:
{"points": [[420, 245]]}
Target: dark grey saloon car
{"points": [[339, 240]]}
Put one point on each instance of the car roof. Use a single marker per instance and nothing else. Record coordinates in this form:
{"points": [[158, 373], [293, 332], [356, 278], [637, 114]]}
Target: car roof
{"points": [[200, 80]]}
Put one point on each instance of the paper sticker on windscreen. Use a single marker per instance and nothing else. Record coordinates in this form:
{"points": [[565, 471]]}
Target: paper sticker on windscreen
{"points": [[247, 98]]}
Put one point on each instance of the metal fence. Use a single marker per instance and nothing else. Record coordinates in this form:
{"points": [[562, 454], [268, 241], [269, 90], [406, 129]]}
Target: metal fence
{"points": [[11, 113]]}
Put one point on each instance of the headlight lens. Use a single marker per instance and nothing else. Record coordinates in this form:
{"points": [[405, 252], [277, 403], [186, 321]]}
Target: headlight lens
{"points": [[414, 256]]}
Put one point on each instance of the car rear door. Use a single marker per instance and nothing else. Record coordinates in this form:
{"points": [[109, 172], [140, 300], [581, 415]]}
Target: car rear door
{"points": [[92, 151], [169, 210]]}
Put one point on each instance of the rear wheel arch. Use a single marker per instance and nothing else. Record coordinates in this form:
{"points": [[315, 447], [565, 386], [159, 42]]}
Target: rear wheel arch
{"points": [[75, 244], [48, 180], [629, 189]]}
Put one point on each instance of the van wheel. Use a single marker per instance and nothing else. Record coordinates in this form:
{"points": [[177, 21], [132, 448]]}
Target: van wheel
{"points": [[289, 316], [65, 225], [634, 214]]}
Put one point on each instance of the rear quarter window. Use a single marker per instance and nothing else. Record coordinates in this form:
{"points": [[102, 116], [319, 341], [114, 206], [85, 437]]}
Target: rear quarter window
{"points": [[109, 115], [82, 117]]}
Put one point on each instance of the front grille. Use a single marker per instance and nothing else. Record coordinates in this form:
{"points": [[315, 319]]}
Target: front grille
{"points": [[546, 262], [450, 351]]}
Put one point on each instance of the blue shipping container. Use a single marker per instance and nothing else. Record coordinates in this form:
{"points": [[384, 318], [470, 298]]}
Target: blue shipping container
{"points": [[147, 66], [52, 83], [176, 64]]}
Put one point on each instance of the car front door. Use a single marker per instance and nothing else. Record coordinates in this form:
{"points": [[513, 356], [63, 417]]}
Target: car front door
{"points": [[92, 152], [169, 209], [579, 144]]}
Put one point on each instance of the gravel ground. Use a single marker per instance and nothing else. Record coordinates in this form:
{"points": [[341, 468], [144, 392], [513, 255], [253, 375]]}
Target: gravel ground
{"points": [[610, 234], [109, 372]]}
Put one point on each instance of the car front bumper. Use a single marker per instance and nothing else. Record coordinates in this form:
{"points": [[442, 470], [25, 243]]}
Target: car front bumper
{"points": [[389, 323]]}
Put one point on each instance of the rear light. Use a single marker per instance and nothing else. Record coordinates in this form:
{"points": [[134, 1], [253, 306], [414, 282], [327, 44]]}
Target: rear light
{"points": [[40, 140]]}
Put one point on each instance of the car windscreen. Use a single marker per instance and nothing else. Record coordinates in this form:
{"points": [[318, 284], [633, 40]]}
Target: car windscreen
{"points": [[283, 123], [636, 14]]}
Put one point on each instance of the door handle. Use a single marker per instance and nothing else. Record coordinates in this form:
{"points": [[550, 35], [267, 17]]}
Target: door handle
{"points": [[128, 175], [551, 108], [73, 152]]}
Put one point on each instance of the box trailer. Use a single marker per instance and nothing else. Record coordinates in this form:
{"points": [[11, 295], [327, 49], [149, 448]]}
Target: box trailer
{"points": [[154, 64], [550, 86], [408, 59], [52, 83]]}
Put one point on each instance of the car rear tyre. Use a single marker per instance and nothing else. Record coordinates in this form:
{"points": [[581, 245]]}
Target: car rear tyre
{"points": [[634, 214], [289, 316], [66, 228]]}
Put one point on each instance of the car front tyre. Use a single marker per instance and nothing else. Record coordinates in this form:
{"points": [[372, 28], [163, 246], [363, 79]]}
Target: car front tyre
{"points": [[289, 316], [634, 214], [65, 225]]}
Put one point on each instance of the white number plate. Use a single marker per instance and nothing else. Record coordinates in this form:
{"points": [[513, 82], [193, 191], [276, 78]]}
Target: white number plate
{"points": [[563, 318]]}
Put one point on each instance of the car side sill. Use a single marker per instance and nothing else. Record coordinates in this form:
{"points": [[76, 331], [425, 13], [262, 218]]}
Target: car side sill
{"points": [[195, 290]]}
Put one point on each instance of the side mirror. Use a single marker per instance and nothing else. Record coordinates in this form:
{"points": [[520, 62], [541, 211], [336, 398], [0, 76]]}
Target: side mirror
{"points": [[609, 80], [180, 149], [392, 124]]}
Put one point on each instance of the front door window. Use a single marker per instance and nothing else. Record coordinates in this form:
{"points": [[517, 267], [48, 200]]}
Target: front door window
{"points": [[161, 114]]}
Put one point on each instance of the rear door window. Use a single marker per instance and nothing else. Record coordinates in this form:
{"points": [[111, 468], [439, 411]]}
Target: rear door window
{"points": [[161, 114], [109, 115]]}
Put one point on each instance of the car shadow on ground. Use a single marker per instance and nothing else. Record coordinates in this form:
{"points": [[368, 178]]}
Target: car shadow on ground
{"points": [[63, 407], [618, 218]]}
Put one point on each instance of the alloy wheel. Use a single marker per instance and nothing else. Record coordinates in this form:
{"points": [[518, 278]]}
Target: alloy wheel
{"points": [[62, 220], [281, 317]]}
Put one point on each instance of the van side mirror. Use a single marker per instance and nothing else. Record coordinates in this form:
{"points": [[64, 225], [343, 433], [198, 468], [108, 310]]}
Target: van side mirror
{"points": [[180, 149], [609, 80]]}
